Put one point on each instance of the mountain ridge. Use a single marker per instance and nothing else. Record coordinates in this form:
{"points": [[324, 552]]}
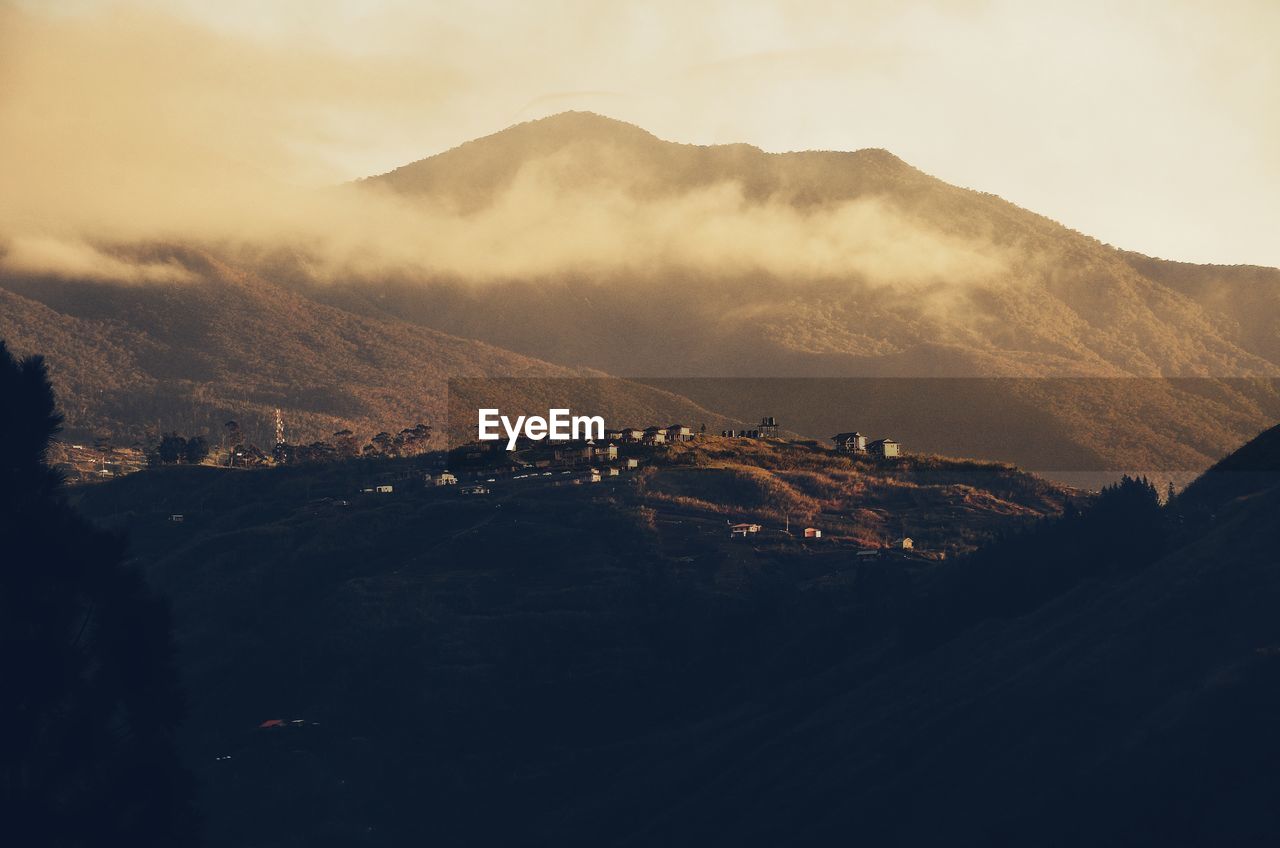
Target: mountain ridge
{"points": [[717, 261]]}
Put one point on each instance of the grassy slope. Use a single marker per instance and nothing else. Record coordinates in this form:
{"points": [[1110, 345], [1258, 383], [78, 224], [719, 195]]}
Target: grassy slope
{"points": [[237, 346], [556, 667], [460, 652]]}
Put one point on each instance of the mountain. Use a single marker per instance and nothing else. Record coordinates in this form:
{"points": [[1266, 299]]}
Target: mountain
{"points": [[1041, 300], [578, 245], [1244, 298], [236, 345], [1170, 363]]}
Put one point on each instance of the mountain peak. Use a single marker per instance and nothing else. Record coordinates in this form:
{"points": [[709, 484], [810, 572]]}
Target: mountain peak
{"points": [[584, 121], [473, 171]]}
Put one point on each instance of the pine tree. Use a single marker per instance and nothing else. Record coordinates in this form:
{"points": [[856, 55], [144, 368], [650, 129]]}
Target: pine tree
{"points": [[89, 697]]}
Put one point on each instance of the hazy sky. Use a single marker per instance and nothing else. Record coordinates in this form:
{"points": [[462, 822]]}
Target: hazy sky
{"points": [[1155, 126]]}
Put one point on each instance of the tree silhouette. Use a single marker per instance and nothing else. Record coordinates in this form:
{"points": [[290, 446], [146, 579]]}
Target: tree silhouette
{"points": [[344, 442], [88, 691], [1124, 529], [173, 448], [234, 439], [196, 450]]}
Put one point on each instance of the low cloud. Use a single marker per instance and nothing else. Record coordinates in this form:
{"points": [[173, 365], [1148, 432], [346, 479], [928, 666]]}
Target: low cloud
{"points": [[73, 259], [139, 129]]}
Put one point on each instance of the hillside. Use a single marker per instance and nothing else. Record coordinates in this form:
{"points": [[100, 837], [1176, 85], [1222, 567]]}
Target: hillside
{"points": [[581, 246], [603, 664], [449, 654], [1133, 705], [921, 279], [234, 345], [1245, 298], [1034, 298]]}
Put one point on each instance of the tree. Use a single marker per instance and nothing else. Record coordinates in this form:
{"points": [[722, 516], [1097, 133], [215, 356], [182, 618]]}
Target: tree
{"points": [[89, 701], [173, 448], [382, 444], [412, 441], [344, 442], [151, 444], [197, 448], [234, 440]]}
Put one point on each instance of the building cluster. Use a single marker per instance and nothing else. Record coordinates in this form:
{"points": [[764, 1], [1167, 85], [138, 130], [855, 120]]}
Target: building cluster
{"points": [[857, 443], [766, 429], [671, 434]]}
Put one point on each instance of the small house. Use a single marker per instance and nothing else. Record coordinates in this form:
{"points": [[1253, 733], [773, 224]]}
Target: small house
{"points": [[850, 442], [609, 452], [655, 436], [474, 489], [768, 427], [679, 433], [613, 471], [743, 529], [444, 478], [177, 518], [593, 476], [885, 448], [632, 462], [384, 490], [631, 434], [812, 533], [903, 544]]}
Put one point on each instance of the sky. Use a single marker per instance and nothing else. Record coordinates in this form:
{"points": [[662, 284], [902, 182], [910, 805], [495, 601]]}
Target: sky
{"points": [[1152, 126]]}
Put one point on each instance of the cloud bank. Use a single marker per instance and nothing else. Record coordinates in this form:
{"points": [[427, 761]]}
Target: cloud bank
{"points": [[140, 129]]}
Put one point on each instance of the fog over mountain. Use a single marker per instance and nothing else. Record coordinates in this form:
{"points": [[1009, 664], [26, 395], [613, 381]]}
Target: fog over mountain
{"points": [[579, 241]]}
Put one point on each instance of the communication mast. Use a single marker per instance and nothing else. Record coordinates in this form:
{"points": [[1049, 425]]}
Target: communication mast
{"points": [[279, 429]]}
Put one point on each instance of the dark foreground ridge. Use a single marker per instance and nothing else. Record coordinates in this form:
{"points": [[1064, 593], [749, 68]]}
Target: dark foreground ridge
{"points": [[602, 663]]}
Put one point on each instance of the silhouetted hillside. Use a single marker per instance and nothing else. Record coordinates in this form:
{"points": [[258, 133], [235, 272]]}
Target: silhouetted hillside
{"points": [[603, 665], [1110, 680], [450, 654], [91, 699]]}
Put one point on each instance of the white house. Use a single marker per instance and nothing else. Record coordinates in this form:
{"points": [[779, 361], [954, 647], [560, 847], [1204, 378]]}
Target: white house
{"points": [[885, 448], [850, 442], [679, 433]]}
